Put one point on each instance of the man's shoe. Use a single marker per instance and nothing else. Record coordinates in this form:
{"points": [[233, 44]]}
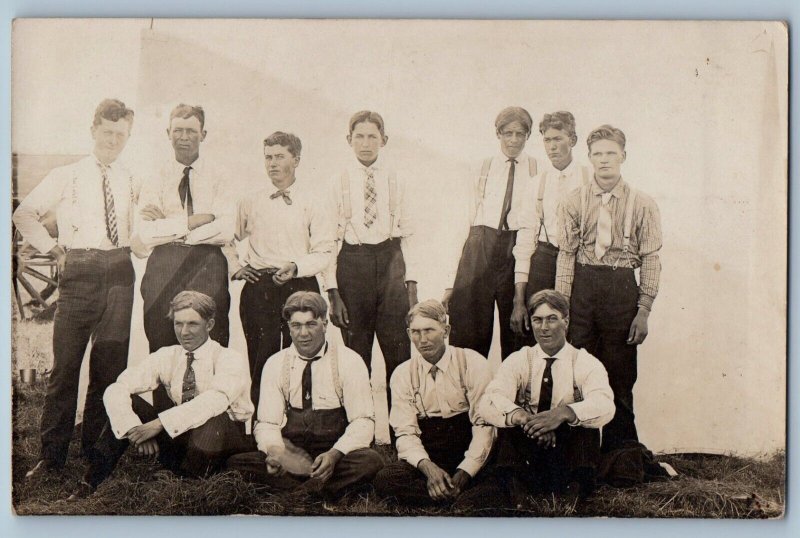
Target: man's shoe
{"points": [[83, 490], [42, 467]]}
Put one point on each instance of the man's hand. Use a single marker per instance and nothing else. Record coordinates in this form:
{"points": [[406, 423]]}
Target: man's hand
{"points": [[338, 310], [200, 219], [285, 274], [411, 286], [548, 421], [148, 448], [638, 331], [446, 298], [152, 212], [460, 480], [246, 273], [519, 417], [324, 464], [60, 255], [440, 485], [520, 322], [547, 440], [139, 434], [274, 467]]}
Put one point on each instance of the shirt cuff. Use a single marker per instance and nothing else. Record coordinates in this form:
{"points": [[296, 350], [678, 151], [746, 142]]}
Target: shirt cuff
{"points": [[123, 424], [581, 415], [646, 302], [413, 457], [520, 277], [171, 421], [470, 466]]}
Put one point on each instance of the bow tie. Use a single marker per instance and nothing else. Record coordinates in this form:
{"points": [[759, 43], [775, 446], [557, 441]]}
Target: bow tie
{"points": [[284, 194]]}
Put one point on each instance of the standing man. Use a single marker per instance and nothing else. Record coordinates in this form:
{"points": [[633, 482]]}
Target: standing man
{"points": [[208, 387], [291, 236], [187, 216], [93, 200], [485, 274], [536, 248], [442, 444], [610, 229], [549, 402], [373, 280], [315, 418]]}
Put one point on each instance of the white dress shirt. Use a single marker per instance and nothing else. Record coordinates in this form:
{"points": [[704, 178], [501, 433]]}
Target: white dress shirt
{"points": [[558, 183], [223, 383], [486, 211], [75, 193], [378, 231], [441, 397], [279, 233], [596, 410], [209, 195], [356, 391]]}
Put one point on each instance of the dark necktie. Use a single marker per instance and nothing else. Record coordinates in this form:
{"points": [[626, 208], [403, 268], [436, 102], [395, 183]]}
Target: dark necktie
{"points": [[284, 194], [434, 371], [185, 192], [189, 382], [307, 382], [111, 214], [503, 225], [546, 389]]}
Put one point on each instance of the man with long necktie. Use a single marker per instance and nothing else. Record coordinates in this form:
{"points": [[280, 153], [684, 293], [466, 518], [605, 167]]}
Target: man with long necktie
{"points": [[548, 402], [372, 279], [485, 270], [93, 201], [208, 386], [291, 236], [315, 418], [607, 229], [536, 247], [186, 217]]}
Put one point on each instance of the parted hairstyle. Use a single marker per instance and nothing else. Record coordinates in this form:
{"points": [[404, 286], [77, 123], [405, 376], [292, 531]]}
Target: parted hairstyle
{"points": [[305, 301], [431, 309], [199, 302], [369, 116], [606, 132], [279, 138], [561, 120], [187, 111], [511, 114], [553, 298], [112, 110]]}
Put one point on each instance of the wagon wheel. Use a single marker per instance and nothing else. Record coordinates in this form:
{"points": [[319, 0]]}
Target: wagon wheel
{"points": [[31, 266]]}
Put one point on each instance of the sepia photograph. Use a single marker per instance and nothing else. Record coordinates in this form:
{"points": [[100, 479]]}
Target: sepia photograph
{"points": [[373, 267]]}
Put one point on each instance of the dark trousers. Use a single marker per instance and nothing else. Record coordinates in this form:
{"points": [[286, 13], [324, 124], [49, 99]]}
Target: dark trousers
{"points": [[445, 440], [372, 285], [602, 308], [541, 276], [314, 431], [172, 269], [195, 453], [522, 466], [485, 276], [95, 302], [260, 308]]}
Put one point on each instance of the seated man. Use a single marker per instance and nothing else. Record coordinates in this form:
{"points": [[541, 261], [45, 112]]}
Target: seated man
{"points": [[549, 401], [441, 442], [315, 412], [209, 386]]}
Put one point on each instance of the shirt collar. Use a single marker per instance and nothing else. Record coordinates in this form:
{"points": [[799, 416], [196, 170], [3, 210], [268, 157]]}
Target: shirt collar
{"points": [[99, 163], [202, 352], [443, 363], [324, 351], [377, 165], [563, 353], [291, 189], [617, 191], [522, 158], [197, 166], [568, 171]]}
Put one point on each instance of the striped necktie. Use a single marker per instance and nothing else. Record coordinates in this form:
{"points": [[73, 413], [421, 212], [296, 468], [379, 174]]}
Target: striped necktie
{"points": [[111, 214], [189, 382], [370, 199]]}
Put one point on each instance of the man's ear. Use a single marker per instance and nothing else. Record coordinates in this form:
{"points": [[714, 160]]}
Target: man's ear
{"points": [[624, 156], [203, 135], [210, 324], [447, 330], [573, 140], [349, 139], [385, 140]]}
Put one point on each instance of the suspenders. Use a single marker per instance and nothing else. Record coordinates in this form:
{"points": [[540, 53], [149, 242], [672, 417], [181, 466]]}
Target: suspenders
{"points": [[286, 369], [540, 198], [487, 163], [586, 194], [525, 392], [461, 364], [348, 208]]}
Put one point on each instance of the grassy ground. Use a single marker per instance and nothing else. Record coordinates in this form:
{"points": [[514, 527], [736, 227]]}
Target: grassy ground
{"points": [[708, 486]]}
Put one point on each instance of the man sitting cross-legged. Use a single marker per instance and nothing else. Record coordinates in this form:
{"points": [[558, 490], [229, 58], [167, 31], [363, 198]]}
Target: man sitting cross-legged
{"points": [[209, 386]]}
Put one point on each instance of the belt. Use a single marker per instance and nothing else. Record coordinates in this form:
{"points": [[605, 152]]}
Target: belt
{"points": [[268, 271], [547, 248]]}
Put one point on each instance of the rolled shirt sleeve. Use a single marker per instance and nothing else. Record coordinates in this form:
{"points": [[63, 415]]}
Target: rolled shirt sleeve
{"points": [[483, 435], [322, 240], [43, 198], [403, 417], [271, 407], [358, 404], [525, 244], [597, 408], [499, 399]]}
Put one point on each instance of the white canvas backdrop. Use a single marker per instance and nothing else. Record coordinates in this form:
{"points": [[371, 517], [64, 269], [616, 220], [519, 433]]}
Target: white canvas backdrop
{"points": [[703, 106]]}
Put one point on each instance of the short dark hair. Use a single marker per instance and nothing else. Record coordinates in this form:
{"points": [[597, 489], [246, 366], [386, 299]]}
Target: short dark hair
{"points": [[431, 309], [112, 110], [511, 114], [305, 301], [553, 298], [279, 138], [606, 132], [199, 302], [366, 116], [561, 120], [188, 111]]}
